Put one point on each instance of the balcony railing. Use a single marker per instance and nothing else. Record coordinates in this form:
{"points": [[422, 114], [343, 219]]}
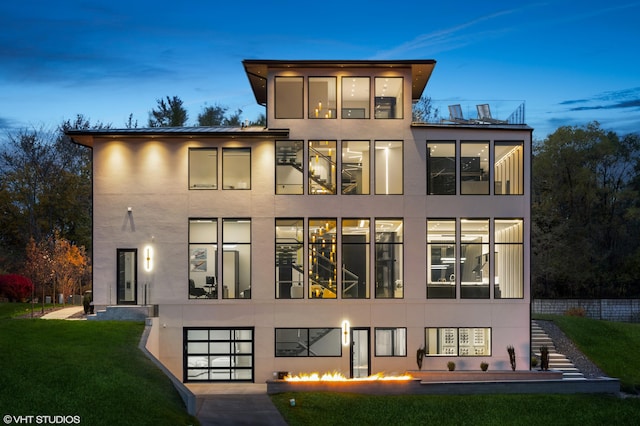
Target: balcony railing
{"points": [[470, 112]]}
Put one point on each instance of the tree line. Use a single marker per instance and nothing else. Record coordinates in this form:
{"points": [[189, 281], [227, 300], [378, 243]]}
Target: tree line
{"points": [[585, 239]]}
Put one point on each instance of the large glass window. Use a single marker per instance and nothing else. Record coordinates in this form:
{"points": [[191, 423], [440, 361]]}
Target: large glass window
{"points": [[322, 259], [441, 258], [355, 258], [218, 354], [441, 168], [289, 97], [236, 168], [322, 167], [474, 168], [127, 283], [289, 258], [356, 97], [203, 264], [508, 168], [389, 167], [355, 168], [474, 259], [509, 259], [461, 341], [289, 171], [389, 260], [391, 341], [203, 168], [388, 98], [308, 342], [236, 259], [322, 97]]}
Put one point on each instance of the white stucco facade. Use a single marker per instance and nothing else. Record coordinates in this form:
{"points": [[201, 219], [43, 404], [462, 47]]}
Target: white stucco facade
{"points": [[142, 199]]}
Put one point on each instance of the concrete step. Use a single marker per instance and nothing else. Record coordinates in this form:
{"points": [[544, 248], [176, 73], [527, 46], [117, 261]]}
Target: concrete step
{"points": [[557, 361]]}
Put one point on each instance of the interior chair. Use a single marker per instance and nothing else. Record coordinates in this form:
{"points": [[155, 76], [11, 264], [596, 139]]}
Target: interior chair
{"points": [[196, 291]]}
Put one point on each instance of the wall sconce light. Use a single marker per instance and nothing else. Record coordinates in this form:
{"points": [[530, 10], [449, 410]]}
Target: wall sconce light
{"points": [[148, 258], [129, 210], [346, 329]]}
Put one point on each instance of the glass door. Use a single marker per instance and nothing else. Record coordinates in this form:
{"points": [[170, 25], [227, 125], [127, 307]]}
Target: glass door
{"points": [[360, 353], [127, 285]]}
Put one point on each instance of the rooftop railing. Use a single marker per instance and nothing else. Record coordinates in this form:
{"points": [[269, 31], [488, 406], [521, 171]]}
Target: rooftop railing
{"points": [[469, 112]]}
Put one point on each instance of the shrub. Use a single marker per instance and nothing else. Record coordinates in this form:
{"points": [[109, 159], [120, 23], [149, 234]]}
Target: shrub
{"points": [[534, 362], [451, 365], [15, 287], [575, 312], [484, 366]]}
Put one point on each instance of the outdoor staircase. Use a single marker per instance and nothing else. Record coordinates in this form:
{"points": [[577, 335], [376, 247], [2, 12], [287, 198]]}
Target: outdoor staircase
{"points": [[557, 361]]}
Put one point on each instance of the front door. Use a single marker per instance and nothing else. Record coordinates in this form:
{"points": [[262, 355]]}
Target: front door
{"points": [[360, 353], [127, 285]]}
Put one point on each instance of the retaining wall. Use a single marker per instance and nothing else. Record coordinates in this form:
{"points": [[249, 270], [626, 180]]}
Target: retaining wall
{"points": [[624, 310]]}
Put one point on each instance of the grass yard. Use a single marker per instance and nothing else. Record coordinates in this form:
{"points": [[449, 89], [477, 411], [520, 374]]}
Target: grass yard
{"points": [[90, 369]]}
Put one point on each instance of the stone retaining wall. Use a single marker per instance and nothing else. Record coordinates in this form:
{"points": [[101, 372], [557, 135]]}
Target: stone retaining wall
{"points": [[624, 310]]}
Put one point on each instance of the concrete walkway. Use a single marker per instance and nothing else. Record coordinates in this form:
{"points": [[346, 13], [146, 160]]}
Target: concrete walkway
{"points": [[64, 313], [231, 404]]}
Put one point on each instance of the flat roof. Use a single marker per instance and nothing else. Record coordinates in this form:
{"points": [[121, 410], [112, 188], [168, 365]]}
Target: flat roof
{"points": [[86, 137], [257, 71]]}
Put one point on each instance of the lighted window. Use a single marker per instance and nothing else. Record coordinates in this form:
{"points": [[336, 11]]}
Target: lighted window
{"points": [[356, 97], [289, 258], [441, 168], [474, 259], [203, 264], [460, 341], [289, 97], [322, 167], [474, 168], [236, 168], [509, 259], [218, 354], [388, 167], [355, 258], [441, 259], [389, 280], [289, 171], [355, 168], [322, 259], [322, 97], [203, 168], [308, 342], [508, 168], [236, 259], [391, 342], [388, 97]]}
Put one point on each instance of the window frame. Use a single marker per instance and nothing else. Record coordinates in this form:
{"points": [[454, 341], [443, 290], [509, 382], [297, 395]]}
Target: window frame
{"points": [[309, 344], [279, 101], [394, 339], [455, 344]]}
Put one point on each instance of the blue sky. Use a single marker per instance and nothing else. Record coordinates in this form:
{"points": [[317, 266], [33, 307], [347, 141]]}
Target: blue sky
{"points": [[570, 62]]}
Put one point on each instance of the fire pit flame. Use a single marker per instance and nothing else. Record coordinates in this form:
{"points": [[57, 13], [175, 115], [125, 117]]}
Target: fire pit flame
{"points": [[339, 377]]}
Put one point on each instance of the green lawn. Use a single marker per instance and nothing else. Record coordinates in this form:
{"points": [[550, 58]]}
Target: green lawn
{"points": [[613, 346], [90, 369]]}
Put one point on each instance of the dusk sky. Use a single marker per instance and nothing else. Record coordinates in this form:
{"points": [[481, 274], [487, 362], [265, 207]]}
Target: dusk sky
{"points": [[570, 62]]}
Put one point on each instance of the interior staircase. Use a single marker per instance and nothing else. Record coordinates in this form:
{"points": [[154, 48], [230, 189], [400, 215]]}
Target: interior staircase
{"points": [[557, 361]]}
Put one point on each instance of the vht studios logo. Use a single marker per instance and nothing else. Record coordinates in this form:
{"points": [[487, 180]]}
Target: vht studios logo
{"points": [[41, 420]]}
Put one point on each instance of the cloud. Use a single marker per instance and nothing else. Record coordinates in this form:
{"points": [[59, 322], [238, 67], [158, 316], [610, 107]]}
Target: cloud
{"points": [[613, 100]]}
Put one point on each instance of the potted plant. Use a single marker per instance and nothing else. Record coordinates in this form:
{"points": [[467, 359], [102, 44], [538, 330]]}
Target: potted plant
{"points": [[484, 366], [451, 365], [534, 362]]}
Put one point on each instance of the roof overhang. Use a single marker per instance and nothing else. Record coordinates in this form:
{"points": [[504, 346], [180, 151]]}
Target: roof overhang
{"points": [[87, 137], [258, 70]]}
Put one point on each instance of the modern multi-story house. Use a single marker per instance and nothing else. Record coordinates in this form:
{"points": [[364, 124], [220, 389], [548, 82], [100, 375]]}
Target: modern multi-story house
{"points": [[341, 237]]}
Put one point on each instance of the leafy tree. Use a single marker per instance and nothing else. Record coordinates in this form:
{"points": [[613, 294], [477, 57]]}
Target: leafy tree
{"points": [[582, 231], [424, 111], [15, 287], [234, 119], [169, 113], [212, 116], [260, 121]]}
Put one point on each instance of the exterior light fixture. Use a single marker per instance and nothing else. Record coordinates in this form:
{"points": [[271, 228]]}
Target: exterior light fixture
{"points": [[346, 329], [148, 258]]}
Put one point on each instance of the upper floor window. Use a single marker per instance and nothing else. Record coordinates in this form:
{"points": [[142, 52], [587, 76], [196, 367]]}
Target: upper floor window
{"points": [[236, 168], [356, 243], [323, 258], [441, 168], [388, 97], [236, 259], [508, 168], [289, 258], [322, 97], [203, 264], [289, 97], [389, 259], [356, 97], [355, 168], [474, 168], [389, 167], [289, 171], [322, 167], [474, 258], [509, 259], [203, 168], [441, 259]]}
